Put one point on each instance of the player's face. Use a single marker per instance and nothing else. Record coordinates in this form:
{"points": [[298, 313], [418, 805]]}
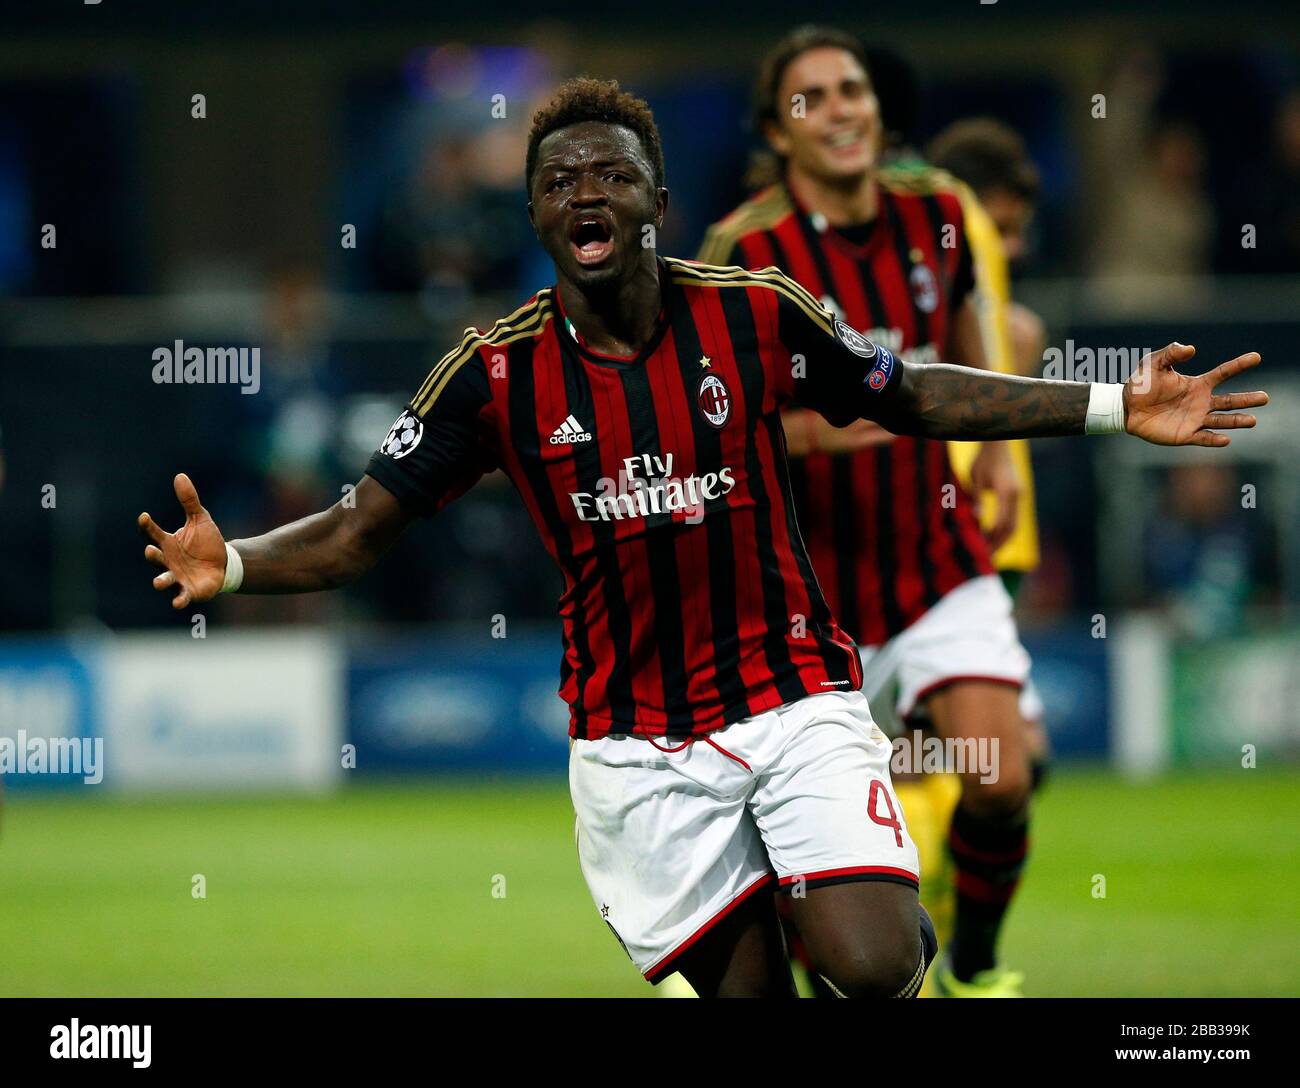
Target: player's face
{"points": [[1010, 214], [593, 193], [837, 138]]}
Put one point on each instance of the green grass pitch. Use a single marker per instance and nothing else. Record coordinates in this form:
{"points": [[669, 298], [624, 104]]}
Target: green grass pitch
{"points": [[389, 890]]}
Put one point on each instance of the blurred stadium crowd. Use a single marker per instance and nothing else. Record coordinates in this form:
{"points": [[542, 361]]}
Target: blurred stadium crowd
{"points": [[232, 228]]}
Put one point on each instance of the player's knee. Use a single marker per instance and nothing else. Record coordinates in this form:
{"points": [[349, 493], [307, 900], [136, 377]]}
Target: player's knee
{"points": [[1002, 797], [874, 971], [875, 963]]}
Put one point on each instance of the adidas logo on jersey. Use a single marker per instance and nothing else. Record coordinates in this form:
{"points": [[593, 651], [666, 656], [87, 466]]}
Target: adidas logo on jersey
{"points": [[568, 432]]}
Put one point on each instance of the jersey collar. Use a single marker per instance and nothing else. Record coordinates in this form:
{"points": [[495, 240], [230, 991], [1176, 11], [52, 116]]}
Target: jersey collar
{"points": [[817, 226], [570, 337]]}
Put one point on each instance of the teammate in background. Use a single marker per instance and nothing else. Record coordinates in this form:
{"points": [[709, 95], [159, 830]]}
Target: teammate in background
{"points": [[720, 748], [992, 159], [893, 537]]}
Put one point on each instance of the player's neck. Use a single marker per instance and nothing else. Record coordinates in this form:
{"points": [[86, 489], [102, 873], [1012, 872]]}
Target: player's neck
{"points": [[621, 320], [848, 203]]}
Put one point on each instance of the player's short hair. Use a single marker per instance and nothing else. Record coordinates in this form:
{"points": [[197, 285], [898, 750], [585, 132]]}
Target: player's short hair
{"points": [[766, 166], [586, 99], [986, 154]]}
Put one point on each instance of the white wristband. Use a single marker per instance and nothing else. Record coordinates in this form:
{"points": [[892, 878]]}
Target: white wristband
{"points": [[234, 571], [1105, 409]]}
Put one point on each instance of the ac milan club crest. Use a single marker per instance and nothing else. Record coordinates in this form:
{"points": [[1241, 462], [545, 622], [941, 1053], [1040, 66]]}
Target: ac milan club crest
{"points": [[715, 401], [925, 288]]}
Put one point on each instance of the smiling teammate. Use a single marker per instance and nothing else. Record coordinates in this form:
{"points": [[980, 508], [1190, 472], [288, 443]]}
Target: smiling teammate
{"points": [[720, 747], [892, 534], [893, 537]]}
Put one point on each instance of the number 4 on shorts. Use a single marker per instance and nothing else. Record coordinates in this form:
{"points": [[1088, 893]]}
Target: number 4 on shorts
{"points": [[878, 790]]}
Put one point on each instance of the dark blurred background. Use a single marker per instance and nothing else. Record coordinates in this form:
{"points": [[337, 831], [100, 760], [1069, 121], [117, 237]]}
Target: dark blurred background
{"points": [[1164, 619], [228, 230]]}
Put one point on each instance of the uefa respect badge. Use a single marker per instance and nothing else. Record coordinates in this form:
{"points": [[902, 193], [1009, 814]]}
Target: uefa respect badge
{"points": [[881, 372]]}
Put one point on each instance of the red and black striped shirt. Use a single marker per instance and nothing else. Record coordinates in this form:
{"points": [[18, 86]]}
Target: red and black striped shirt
{"points": [[659, 485], [889, 529]]}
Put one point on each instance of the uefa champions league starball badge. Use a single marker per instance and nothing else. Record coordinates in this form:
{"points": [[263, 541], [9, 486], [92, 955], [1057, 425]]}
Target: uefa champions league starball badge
{"points": [[404, 436]]}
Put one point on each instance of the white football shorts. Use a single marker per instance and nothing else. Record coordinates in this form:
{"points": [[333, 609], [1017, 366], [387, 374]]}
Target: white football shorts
{"points": [[970, 634], [673, 836]]}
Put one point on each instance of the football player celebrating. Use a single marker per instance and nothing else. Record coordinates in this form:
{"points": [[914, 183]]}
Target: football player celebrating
{"points": [[721, 749]]}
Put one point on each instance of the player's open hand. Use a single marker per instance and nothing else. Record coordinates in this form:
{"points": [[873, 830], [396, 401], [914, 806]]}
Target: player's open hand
{"points": [[194, 557], [1171, 409], [993, 471]]}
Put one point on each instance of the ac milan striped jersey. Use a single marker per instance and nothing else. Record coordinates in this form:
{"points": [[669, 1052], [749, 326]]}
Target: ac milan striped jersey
{"points": [[889, 529], [659, 486]]}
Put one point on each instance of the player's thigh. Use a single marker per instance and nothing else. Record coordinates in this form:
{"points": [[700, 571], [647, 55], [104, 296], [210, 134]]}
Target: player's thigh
{"points": [[993, 758], [861, 936], [964, 669], [743, 955], [831, 821], [825, 805], [667, 845]]}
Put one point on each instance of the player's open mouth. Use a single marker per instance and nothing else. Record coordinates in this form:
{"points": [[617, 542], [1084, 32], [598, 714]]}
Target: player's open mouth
{"points": [[592, 239]]}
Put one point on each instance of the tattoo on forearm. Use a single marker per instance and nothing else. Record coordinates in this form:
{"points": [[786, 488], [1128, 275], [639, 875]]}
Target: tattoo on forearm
{"points": [[942, 401]]}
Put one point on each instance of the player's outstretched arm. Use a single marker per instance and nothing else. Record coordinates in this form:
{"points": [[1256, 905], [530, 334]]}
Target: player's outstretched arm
{"points": [[1157, 403], [323, 551]]}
